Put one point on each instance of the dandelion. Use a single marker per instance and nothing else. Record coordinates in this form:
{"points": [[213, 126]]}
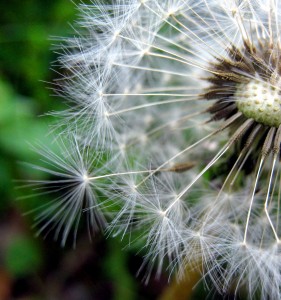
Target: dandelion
{"points": [[182, 101]]}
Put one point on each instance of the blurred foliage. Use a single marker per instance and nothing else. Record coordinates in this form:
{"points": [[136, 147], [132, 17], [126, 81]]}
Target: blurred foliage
{"points": [[22, 257], [26, 35]]}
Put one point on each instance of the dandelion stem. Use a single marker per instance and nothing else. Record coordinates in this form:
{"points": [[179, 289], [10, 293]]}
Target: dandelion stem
{"points": [[148, 105], [252, 200], [267, 198], [119, 174]]}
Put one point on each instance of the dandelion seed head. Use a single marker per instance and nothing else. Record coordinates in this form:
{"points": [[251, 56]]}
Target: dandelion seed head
{"points": [[181, 102]]}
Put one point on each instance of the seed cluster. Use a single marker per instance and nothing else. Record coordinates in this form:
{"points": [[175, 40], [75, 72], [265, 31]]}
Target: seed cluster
{"points": [[247, 83], [259, 101]]}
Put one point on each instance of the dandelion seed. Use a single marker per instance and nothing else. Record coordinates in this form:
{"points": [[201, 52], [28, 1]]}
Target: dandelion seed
{"points": [[71, 183], [175, 93]]}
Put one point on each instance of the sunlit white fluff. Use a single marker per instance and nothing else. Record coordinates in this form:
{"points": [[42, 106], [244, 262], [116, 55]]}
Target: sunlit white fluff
{"points": [[153, 89]]}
